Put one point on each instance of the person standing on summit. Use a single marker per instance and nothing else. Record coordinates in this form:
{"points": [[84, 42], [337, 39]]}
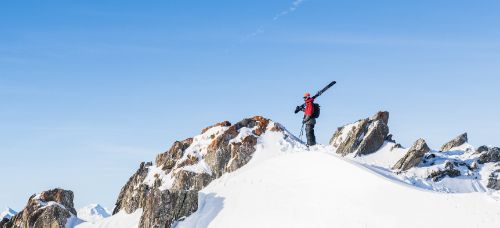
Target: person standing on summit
{"points": [[309, 119], [311, 112]]}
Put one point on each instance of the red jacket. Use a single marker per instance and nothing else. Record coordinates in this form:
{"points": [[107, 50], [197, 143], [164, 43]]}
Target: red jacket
{"points": [[309, 107]]}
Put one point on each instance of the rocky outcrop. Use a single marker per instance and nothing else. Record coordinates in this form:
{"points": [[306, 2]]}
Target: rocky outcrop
{"points": [[362, 137], [458, 141], [413, 157], [4, 222], [494, 180], [449, 170], [51, 208], [489, 155], [162, 208], [168, 190], [133, 194]]}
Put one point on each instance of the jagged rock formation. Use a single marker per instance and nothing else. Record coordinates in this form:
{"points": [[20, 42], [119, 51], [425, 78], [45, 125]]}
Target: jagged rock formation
{"points": [[168, 190], [134, 193], [413, 157], [458, 141], [51, 208], [362, 137], [494, 179], [489, 155], [449, 171]]}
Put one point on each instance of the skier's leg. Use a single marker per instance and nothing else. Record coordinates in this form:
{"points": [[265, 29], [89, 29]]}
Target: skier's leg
{"points": [[309, 134], [313, 137]]}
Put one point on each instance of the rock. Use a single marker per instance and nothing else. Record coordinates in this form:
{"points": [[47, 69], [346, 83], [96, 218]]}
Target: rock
{"points": [[474, 166], [186, 180], [223, 156], [168, 191], [362, 137], [396, 146], [494, 180], [449, 171], [221, 124], [51, 208], [4, 222], [164, 207], [492, 155], [168, 159], [388, 138], [413, 157], [481, 149], [458, 141], [132, 196]]}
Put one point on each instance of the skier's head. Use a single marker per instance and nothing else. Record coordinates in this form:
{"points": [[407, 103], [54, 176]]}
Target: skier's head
{"points": [[307, 95]]}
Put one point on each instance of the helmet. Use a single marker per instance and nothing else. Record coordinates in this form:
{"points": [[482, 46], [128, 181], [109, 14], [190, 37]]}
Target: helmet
{"points": [[307, 94]]}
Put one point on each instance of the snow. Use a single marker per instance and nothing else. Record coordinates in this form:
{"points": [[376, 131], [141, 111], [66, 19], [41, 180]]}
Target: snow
{"points": [[318, 189], [92, 213], [119, 220], [286, 185], [7, 213]]}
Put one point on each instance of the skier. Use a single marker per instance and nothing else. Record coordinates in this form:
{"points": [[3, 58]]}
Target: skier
{"points": [[309, 119]]}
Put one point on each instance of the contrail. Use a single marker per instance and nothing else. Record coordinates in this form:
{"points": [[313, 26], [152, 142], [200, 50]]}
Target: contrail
{"points": [[293, 7]]}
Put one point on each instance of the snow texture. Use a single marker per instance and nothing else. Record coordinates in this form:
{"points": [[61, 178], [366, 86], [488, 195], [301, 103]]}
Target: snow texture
{"points": [[93, 213]]}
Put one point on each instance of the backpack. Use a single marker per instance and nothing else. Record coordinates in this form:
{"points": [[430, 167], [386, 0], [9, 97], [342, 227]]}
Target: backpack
{"points": [[317, 110]]}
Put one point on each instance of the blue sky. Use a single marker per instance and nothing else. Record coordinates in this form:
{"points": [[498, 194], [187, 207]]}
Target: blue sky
{"points": [[88, 89]]}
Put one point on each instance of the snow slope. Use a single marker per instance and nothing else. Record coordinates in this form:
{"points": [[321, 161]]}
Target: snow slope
{"points": [[319, 189], [285, 185], [7, 213], [119, 220], [92, 213]]}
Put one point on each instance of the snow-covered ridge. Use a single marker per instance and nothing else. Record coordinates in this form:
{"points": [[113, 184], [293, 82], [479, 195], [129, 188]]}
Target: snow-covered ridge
{"points": [[7, 213], [257, 174]]}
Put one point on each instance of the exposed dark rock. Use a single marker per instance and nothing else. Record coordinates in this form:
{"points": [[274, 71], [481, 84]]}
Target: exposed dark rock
{"points": [[164, 207], [492, 155], [388, 138], [51, 208], [221, 124], [4, 222], [494, 180], [133, 194], [482, 149], [223, 156], [186, 180], [413, 157], [474, 166], [396, 146], [363, 137], [168, 159], [458, 141], [449, 171]]}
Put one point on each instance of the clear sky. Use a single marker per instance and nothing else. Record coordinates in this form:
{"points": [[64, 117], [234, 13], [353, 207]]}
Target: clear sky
{"points": [[89, 89]]}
